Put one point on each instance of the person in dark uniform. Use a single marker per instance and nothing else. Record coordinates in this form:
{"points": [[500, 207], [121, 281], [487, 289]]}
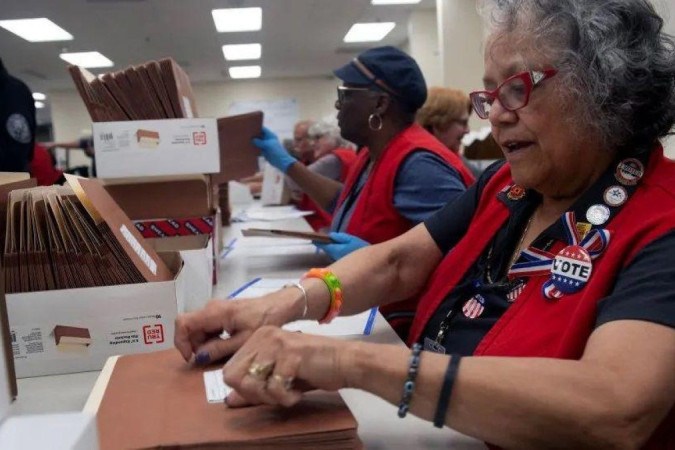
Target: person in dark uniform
{"points": [[17, 123]]}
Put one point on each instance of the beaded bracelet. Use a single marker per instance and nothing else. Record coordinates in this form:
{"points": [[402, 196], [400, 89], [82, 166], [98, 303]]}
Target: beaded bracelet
{"points": [[409, 385], [334, 288]]}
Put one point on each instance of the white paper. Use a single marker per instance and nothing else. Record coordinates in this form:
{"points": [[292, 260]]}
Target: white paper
{"points": [[216, 389], [270, 214]]}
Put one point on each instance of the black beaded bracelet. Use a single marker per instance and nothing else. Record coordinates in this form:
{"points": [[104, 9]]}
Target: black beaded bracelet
{"points": [[409, 385], [446, 390]]}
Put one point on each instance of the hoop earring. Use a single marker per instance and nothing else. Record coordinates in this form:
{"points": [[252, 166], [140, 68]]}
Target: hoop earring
{"points": [[376, 117]]}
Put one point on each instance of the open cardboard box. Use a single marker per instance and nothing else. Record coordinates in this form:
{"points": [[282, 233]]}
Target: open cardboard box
{"points": [[109, 320]]}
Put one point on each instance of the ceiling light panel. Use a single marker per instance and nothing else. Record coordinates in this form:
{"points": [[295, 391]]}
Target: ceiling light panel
{"points": [[237, 19], [245, 72], [36, 30], [238, 52], [369, 32], [88, 60], [39, 96], [395, 2], [39, 105]]}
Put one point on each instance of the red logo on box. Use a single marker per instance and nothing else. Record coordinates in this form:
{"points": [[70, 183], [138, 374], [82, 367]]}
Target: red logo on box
{"points": [[153, 334], [199, 137]]}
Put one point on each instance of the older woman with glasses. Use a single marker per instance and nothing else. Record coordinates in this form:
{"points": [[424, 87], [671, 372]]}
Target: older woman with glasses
{"points": [[332, 158], [401, 176], [547, 316]]}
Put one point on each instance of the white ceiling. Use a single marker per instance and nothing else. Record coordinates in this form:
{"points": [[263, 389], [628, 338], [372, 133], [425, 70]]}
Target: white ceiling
{"points": [[299, 37]]}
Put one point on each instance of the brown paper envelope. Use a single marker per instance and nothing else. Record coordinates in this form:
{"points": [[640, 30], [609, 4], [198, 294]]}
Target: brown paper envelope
{"points": [[238, 155], [83, 89], [11, 181], [128, 92], [312, 236], [149, 91], [111, 83], [186, 419], [155, 74], [178, 87], [113, 108], [102, 209], [141, 97]]}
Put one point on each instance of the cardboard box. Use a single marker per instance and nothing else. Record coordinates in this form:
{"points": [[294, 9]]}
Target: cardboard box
{"points": [[199, 265], [164, 197], [156, 147], [130, 318]]}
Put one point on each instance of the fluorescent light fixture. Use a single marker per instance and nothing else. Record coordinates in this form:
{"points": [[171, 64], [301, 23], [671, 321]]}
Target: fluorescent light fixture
{"points": [[245, 72], [395, 2], [369, 32], [87, 60], [238, 52], [237, 19], [39, 96], [36, 30], [39, 105]]}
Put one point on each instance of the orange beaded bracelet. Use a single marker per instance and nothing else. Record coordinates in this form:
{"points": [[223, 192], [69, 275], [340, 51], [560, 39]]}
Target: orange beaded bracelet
{"points": [[334, 288]]}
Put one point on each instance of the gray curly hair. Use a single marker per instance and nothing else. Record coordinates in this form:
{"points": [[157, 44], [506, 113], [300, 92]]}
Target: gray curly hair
{"points": [[613, 59], [330, 130]]}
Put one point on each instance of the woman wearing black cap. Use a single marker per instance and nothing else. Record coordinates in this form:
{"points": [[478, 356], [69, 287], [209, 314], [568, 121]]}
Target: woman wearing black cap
{"points": [[401, 176], [548, 308]]}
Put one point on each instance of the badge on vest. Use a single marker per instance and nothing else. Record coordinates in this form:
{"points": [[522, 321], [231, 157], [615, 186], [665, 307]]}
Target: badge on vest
{"points": [[569, 270], [515, 192], [629, 171], [474, 307]]}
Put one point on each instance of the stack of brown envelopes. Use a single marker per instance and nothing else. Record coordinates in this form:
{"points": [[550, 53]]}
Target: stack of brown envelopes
{"points": [[154, 90], [73, 237], [155, 400]]}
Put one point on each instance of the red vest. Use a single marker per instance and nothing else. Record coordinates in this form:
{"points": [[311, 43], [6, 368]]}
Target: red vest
{"points": [[375, 219], [537, 327], [321, 218]]}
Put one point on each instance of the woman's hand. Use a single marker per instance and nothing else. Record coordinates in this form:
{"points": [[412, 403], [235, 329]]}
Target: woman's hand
{"points": [[199, 332], [276, 366], [273, 151], [342, 244]]}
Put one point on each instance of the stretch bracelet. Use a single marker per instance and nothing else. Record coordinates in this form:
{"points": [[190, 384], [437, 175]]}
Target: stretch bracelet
{"points": [[334, 288], [305, 305], [446, 390], [409, 385]]}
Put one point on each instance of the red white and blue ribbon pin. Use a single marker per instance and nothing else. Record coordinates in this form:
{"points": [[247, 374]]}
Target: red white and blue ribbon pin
{"points": [[571, 268]]}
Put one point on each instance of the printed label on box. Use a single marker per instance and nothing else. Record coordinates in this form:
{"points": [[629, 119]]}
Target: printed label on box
{"points": [[153, 334], [140, 251]]}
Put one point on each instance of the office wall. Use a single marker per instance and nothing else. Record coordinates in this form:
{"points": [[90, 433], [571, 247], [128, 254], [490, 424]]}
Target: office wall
{"points": [[423, 45]]}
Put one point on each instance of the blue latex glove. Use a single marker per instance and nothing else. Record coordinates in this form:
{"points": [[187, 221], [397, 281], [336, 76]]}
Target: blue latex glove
{"points": [[273, 151], [343, 244]]}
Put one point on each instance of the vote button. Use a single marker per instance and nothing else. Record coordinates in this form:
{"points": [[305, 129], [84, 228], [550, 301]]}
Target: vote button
{"points": [[571, 269]]}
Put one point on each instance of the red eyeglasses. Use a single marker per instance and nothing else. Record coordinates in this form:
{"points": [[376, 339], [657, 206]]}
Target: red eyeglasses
{"points": [[513, 93]]}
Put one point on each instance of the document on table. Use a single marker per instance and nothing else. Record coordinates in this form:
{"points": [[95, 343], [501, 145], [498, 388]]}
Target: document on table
{"points": [[216, 389], [361, 323], [270, 214]]}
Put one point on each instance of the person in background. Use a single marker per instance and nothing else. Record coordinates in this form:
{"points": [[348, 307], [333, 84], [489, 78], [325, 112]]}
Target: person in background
{"points": [[85, 143], [17, 123], [401, 176], [43, 167], [445, 114], [548, 309], [301, 143], [333, 157], [300, 147]]}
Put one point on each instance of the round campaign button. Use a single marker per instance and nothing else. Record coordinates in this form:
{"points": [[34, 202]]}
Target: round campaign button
{"points": [[597, 214], [571, 269], [615, 195], [629, 171]]}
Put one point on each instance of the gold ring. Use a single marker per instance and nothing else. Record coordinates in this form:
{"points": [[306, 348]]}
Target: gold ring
{"points": [[260, 371], [286, 382]]}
